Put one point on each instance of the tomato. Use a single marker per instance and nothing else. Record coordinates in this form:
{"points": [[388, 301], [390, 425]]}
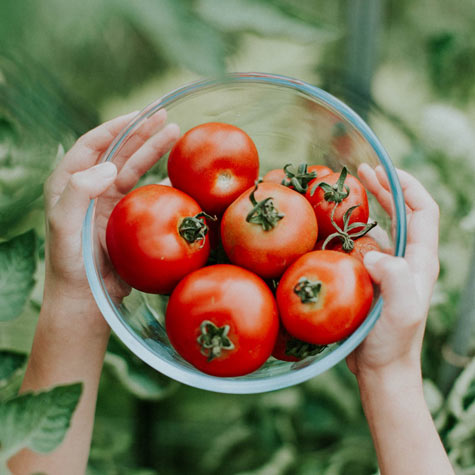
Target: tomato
{"points": [[267, 228], [155, 236], [284, 176], [214, 163], [289, 348], [324, 296], [337, 193], [361, 246], [223, 320]]}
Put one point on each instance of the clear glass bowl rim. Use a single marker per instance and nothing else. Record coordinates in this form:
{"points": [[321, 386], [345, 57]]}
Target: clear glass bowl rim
{"points": [[265, 383]]}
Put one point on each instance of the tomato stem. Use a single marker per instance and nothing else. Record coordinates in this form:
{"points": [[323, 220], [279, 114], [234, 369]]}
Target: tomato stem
{"points": [[336, 192], [213, 339], [301, 349], [299, 180], [346, 236], [194, 228], [308, 290], [263, 212]]}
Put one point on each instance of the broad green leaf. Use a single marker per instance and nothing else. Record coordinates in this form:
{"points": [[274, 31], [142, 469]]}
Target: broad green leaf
{"points": [[179, 34], [38, 421], [260, 17], [137, 377], [12, 366], [17, 335], [17, 267]]}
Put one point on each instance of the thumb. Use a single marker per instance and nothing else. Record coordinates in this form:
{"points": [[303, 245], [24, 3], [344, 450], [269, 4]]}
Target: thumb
{"points": [[396, 282], [69, 212]]}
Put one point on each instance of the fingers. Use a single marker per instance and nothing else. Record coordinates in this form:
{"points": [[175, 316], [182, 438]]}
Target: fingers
{"points": [[145, 157], [84, 154], [67, 216], [396, 281], [147, 129], [373, 184]]}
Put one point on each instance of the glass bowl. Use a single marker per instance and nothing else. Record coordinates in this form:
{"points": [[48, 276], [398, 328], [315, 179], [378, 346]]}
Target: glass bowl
{"points": [[289, 121]]}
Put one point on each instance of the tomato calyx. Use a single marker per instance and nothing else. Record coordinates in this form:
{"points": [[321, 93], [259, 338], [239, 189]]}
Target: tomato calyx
{"points": [[301, 349], [346, 235], [299, 180], [336, 192], [194, 228], [213, 339], [263, 212], [308, 290]]}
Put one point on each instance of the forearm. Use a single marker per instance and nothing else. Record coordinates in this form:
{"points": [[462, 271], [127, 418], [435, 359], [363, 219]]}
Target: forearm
{"points": [[61, 357], [404, 435]]}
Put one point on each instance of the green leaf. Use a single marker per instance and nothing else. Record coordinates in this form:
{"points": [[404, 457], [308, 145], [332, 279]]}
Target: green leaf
{"points": [[17, 267], [179, 34], [138, 378], [262, 18], [38, 421], [12, 366]]}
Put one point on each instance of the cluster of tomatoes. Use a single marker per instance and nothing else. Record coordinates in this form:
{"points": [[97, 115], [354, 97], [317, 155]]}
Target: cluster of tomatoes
{"points": [[253, 267]]}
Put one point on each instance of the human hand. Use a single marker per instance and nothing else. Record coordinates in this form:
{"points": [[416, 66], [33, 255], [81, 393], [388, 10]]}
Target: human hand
{"points": [[77, 179], [406, 283]]}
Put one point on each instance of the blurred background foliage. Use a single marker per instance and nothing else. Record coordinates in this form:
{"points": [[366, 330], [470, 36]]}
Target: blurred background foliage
{"points": [[408, 67]]}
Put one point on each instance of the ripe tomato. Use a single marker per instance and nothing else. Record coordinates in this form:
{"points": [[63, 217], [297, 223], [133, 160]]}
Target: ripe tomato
{"points": [[155, 236], [289, 348], [361, 246], [302, 175], [223, 320], [267, 228], [324, 296], [214, 163], [343, 191]]}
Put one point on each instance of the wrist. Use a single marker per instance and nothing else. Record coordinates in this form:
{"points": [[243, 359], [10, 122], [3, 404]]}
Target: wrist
{"points": [[391, 379], [62, 316]]}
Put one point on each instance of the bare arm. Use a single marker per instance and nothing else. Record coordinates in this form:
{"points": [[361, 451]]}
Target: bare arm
{"points": [[71, 336], [387, 364]]}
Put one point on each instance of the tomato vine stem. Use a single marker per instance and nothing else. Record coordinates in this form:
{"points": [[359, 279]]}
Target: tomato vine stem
{"points": [[300, 179], [308, 290], [346, 235], [336, 192], [263, 212], [194, 228], [213, 339]]}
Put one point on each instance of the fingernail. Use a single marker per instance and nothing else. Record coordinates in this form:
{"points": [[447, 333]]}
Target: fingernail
{"points": [[372, 257], [106, 169]]}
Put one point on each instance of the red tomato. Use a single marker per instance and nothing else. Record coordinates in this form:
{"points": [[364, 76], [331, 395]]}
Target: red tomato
{"points": [[278, 174], [145, 242], [361, 245], [289, 348], [324, 296], [323, 206], [214, 163], [267, 240], [223, 320]]}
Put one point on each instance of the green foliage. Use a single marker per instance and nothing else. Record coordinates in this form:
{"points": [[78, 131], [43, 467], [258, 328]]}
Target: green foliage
{"points": [[60, 62], [17, 266], [36, 421]]}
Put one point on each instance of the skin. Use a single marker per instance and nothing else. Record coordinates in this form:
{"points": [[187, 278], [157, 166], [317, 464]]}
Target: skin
{"points": [[323, 209], [269, 252], [342, 303], [153, 256], [387, 364], [226, 295], [71, 335], [203, 164]]}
